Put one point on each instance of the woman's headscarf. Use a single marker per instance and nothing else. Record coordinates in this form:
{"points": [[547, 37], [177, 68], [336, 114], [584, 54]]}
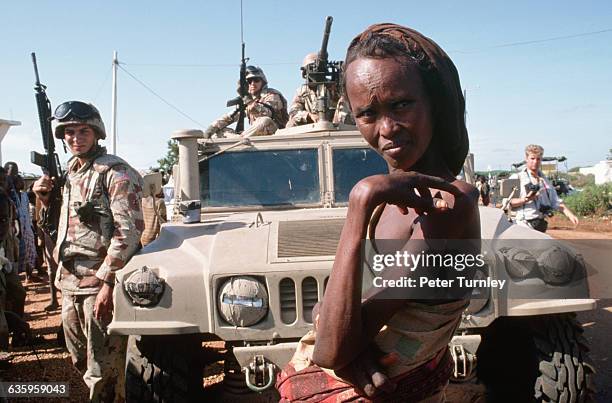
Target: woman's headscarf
{"points": [[450, 134]]}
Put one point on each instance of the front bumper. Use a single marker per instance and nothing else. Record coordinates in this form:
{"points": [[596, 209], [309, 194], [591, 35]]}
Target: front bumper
{"points": [[147, 328], [278, 354]]}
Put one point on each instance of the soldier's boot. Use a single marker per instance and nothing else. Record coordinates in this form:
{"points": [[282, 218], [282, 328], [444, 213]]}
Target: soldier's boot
{"points": [[53, 305]]}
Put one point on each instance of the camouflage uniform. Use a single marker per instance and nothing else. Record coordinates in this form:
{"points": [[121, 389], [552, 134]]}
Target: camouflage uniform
{"points": [[303, 108], [267, 112], [96, 241]]}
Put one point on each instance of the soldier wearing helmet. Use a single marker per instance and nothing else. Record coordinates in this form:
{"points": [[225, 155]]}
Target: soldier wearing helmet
{"points": [[266, 109], [100, 226], [303, 108]]}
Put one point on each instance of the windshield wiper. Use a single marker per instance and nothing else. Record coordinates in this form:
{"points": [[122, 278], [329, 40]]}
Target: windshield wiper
{"points": [[244, 141]]}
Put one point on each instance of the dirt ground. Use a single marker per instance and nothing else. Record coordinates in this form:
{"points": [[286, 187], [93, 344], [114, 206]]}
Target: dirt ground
{"points": [[588, 228], [45, 361], [50, 362]]}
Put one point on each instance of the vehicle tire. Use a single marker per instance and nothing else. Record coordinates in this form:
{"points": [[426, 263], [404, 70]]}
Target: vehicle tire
{"points": [[538, 358], [164, 369]]}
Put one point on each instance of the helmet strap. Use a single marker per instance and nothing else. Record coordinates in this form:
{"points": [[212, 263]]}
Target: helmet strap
{"points": [[93, 151]]}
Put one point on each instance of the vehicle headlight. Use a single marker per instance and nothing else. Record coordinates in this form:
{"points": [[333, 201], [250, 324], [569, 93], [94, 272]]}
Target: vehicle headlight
{"points": [[243, 301], [144, 287]]}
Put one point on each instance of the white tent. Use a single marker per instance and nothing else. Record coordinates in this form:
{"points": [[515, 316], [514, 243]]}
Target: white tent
{"points": [[601, 170], [4, 126]]}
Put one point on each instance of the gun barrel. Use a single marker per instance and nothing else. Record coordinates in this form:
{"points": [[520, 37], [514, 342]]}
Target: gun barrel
{"points": [[326, 32], [35, 68]]}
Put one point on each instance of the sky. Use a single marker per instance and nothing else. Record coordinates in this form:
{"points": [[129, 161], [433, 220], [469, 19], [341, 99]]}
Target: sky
{"points": [[533, 71]]}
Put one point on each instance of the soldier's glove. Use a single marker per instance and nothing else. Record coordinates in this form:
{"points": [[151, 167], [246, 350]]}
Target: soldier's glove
{"points": [[210, 131]]}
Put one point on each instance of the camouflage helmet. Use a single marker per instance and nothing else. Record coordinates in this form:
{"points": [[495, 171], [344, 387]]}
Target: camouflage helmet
{"points": [[77, 113], [255, 71], [309, 59]]}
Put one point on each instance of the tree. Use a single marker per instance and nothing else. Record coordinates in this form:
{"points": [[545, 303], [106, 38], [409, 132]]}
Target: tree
{"points": [[171, 158]]}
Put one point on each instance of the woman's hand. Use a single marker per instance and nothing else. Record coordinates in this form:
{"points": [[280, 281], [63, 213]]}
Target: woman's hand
{"points": [[366, 373], [405, 190]]}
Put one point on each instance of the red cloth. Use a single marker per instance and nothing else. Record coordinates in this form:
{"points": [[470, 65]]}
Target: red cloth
{"points": [[313, 385]]}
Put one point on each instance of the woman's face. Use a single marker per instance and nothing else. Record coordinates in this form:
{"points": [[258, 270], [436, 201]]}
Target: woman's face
{"points": [[391, 108]]}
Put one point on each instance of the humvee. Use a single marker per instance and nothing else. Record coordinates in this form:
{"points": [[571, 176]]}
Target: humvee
{"points": [[250, 270]]}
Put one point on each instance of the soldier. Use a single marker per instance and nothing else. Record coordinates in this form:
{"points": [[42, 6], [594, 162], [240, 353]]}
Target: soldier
{"points": [[303, 109], [100, 226], [266, 109]]}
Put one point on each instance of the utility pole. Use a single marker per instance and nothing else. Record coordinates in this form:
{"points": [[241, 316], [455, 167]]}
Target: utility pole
{"points": [[114, 104]]}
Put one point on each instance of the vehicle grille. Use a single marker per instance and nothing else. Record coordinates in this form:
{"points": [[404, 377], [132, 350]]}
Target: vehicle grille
{"points": [[286, 289], [309, 297], [309, 237]]}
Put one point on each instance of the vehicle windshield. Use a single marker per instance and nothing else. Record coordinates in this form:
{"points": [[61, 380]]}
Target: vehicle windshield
{"points": [[351, 165], [264, 178]]}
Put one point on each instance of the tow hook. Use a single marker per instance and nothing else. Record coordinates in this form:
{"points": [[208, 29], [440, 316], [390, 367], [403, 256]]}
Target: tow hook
{"points": [[465, 362], [257, 371]]}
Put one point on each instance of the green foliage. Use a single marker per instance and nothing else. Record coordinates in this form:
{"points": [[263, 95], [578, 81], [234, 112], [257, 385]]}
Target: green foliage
{"points": [[580, 181], [171, 158], [593, 200], [574, 169]]}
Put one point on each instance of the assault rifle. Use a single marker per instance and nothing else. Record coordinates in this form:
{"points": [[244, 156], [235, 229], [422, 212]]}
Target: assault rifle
{"points": [[243, 91], [49, 162], [322, 75]]}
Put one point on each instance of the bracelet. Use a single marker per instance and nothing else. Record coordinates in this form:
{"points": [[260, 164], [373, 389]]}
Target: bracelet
{"points": [[109, 283]]}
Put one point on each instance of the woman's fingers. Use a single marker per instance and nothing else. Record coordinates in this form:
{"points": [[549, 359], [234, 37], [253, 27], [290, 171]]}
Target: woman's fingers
{"points": [[434, 182], [363, 380], [410, 189]]}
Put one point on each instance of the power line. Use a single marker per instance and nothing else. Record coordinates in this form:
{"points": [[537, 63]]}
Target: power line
{"points": [[159, 96], [531, 42], [233, 65], [108, 74], [179, 65], [503, 45]]}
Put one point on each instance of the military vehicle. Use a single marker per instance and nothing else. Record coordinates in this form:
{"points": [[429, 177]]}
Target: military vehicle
{"points": [[262, 220], [268, 212]]}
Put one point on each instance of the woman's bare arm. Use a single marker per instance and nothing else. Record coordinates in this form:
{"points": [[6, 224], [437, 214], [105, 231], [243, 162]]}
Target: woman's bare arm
{"points": [[345, 327]]}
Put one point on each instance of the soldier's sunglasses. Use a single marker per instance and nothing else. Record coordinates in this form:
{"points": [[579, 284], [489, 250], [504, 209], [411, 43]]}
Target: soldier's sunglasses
{"points": [[77, 109], [253, 80]]}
